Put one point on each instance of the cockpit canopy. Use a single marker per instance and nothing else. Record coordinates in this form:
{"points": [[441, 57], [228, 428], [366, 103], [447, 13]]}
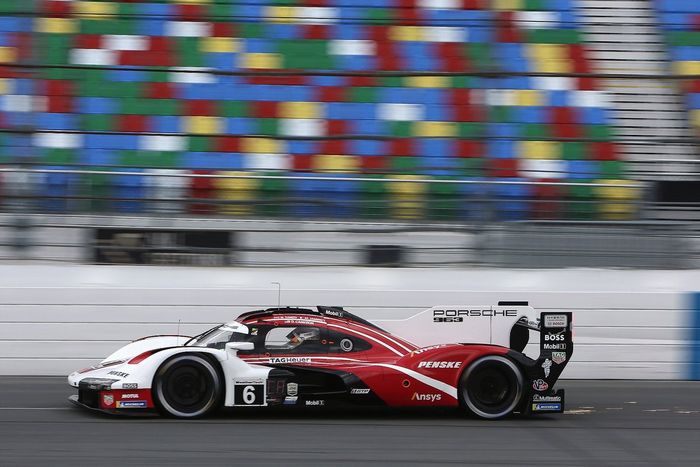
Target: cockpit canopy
{"points": [[218, 337]]}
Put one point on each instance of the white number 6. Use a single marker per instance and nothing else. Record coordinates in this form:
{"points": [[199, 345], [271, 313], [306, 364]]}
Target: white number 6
{"points": [[249, 394]]}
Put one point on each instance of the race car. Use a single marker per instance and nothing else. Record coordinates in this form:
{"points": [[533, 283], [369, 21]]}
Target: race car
{"points": [[327, 356]]}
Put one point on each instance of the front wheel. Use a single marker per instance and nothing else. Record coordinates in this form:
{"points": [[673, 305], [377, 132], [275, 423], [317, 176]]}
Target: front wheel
{"points": [[492, 387], [187, 386]]}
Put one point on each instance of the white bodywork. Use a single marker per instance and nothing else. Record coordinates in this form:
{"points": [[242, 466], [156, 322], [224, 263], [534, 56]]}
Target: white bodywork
{"points": [[141, 375], [469, 324]]}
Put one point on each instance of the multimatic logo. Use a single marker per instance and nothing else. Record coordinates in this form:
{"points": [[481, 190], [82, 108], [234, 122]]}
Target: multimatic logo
{"points": [[540, 398], [458, 316]]}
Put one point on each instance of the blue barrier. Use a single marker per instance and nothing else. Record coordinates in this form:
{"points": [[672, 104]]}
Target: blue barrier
{"points": [[695, 339]]}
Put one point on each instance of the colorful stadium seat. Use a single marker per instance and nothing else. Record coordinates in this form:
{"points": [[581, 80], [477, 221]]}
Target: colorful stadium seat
{"points": [[400, 88]]}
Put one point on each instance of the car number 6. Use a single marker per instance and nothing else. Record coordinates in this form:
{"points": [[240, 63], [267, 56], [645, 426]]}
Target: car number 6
{"points": [[249, 394]]}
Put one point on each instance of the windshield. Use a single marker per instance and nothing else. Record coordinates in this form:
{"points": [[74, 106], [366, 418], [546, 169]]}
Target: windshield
{"points": [[220, 335]]}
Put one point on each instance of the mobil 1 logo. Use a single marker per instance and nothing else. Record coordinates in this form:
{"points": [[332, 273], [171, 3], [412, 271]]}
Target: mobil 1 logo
{"points": [[249, 394]]}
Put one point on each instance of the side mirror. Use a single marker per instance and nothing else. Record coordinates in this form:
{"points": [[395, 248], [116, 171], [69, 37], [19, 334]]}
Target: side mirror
{"points": [[233, 347]]}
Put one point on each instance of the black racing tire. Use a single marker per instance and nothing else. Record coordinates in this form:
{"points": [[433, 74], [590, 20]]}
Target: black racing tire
{"points": [[187, 386], [491, 387]]}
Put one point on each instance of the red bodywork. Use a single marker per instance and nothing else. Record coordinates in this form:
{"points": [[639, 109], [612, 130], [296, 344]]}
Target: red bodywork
{"points": [[395, 370]]}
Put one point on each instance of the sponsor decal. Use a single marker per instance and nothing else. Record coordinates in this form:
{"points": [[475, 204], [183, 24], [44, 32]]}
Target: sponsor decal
{"points": [[546, 407], [439, 364], [426, 397], [346, 345], [558, 357], [547, 366], [119, 374], [290, 360], [458, 316], [292, 389], [426, 349], [130, 386], [555, 321], [131, 404], [540, 385], [549, 346], [316, 403], [290, 400], [339, 314], [359, 391], [554, 337], [130, 396], [253, 331], [248, 381], [250, 393], [541, 398], [108, 399]]}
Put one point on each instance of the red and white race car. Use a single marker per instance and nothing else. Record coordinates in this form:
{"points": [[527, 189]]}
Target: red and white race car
{"points": [[323, 357]]}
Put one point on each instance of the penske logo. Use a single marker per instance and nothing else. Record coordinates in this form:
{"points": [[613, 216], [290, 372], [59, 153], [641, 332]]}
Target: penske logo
{"points": [[439, 364]]}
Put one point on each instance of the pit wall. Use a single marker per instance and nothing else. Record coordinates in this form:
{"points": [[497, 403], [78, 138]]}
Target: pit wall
{"points": [[57, 318]]}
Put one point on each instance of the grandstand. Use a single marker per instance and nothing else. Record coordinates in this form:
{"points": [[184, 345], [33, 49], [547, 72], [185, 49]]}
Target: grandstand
{"points": [[404, 109]]}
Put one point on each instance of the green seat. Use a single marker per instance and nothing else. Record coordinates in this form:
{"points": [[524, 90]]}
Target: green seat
{"points": [[444, 200], [582, 202], [271, 197], [374, 199]]}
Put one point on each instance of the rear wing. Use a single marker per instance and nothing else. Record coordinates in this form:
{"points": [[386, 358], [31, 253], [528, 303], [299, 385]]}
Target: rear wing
{"points": [[556, 349]]}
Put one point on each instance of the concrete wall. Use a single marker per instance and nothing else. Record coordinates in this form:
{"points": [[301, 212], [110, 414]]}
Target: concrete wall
{"points": [[56, 318]]}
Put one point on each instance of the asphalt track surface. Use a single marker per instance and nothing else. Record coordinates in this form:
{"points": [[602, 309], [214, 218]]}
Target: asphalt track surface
{"points": [[608, 423]]}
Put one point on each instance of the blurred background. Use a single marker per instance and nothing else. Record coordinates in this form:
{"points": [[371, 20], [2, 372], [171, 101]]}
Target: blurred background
{"points": [[168, 160]]}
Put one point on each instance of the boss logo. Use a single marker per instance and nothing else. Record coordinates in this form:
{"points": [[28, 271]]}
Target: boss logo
{"points": [[554, 337]]}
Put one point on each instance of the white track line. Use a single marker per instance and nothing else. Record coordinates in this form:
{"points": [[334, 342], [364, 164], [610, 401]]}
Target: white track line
{"points": [[37, 408]]}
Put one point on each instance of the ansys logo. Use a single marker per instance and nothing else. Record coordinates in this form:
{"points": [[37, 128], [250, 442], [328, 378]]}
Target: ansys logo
{"points": [[426, 397]]}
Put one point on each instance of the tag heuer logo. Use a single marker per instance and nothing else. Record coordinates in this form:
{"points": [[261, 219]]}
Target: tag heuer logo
{"points": [[292, 389], [558, 357]]}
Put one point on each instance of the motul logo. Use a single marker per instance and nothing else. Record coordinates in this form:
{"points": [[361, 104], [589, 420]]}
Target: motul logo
{"points": [[426, 397], [439, 364]]}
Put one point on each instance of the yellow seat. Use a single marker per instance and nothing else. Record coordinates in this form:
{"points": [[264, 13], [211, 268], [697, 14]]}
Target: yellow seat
{"points": [[427, 81], [263, 61], [335, 163], [262, 146], [56, 26], [8, 55], [406, 33], [540, 150], [203, 125], [528, 97], [407, 198], [240, 193], [511, 5], [435, 129], [220, 45], [301, 110], [687, 68], [280, 14], [617, 202], [95, 10]]}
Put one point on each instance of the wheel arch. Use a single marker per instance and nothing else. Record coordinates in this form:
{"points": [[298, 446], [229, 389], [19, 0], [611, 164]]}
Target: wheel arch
{"points": [[507, 357]]}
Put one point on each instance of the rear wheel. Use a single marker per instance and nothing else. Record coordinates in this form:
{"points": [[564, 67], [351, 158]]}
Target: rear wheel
{"points": [[491, 387], [187, 386]]}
